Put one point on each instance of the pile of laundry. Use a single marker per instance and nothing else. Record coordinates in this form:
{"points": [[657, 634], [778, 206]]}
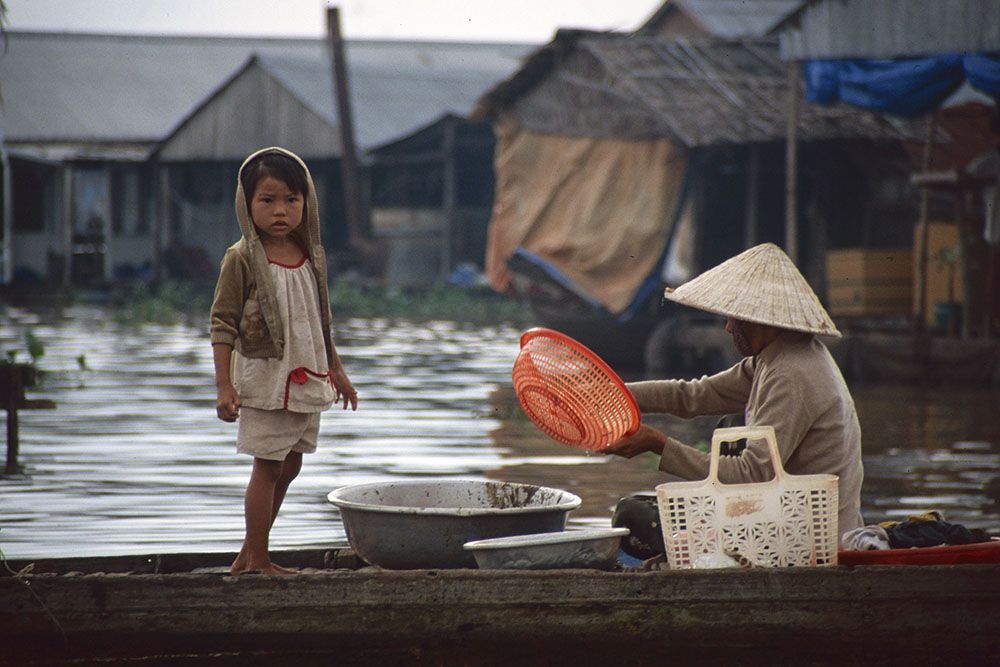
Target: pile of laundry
{"points": [[922, 530]]}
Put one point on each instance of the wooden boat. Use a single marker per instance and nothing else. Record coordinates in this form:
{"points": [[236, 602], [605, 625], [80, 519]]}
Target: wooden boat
{"points": [[185, 609]]}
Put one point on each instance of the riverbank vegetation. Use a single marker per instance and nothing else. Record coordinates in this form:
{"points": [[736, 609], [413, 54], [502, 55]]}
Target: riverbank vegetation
{"points": [[175, 302]]}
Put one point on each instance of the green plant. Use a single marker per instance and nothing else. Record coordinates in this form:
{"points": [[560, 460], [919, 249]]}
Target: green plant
{"points": [[34, 346], [442, 302], [167, 303]]}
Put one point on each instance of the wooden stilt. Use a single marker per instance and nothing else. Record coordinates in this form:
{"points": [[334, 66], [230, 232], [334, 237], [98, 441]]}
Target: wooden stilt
{"points": [[792, 164]]}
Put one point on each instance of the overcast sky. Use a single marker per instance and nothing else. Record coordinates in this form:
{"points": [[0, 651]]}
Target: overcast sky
{"points": [[468, 20]]}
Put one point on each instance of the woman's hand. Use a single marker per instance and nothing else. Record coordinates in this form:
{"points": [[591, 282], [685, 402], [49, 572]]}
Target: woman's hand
{"points": [[345, 390], [227, 403], [646, 439]]}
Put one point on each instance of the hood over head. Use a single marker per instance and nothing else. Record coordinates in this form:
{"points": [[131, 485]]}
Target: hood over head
{"points": [[308, 233]]}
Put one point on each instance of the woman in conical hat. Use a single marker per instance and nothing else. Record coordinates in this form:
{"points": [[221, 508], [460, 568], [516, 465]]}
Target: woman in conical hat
{"points": [[787, 379]]}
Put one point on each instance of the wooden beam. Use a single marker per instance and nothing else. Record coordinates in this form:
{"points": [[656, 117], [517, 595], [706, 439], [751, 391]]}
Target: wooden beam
{"points": [[792, 164], [67, 223], [448, 196], [427, 157], [921, 249], [751, 231], [350, 182], [7, 233]]}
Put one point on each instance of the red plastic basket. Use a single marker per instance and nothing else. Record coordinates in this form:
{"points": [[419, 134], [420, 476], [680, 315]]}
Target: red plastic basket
{"points": [[570, 393]]}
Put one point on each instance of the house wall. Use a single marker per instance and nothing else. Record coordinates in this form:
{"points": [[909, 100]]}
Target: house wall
{"points": [[413, 240], [99, 215], [200, 221], [30, 255], [37, 215], [254, 111]]}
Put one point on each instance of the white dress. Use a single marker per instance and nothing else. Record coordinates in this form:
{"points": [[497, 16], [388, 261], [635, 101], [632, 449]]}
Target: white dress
{"points": [[299, 381]]}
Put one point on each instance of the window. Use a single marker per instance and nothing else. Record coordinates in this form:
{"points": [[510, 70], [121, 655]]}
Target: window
{"points": [[28, 181]]}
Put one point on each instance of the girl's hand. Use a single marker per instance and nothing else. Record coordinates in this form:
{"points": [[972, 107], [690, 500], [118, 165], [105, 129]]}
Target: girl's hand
{"points": [[646, 439], [227, 403], [345, 390]]}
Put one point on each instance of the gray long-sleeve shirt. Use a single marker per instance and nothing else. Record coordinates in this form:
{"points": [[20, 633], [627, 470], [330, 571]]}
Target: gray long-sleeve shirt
{"points": [[793, 385]]}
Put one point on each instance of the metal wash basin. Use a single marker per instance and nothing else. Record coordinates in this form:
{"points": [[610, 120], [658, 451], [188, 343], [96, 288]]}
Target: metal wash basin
{"points": [[417, 524]]}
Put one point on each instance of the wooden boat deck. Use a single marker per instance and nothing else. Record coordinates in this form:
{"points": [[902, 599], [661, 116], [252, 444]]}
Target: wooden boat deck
{"points": [[182, 608]]}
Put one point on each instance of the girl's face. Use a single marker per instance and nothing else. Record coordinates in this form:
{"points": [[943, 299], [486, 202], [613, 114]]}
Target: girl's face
{"points": [[275, 209]]}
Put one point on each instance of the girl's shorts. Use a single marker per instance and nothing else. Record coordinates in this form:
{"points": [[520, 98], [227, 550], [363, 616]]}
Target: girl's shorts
{"points": [[272, 434]]}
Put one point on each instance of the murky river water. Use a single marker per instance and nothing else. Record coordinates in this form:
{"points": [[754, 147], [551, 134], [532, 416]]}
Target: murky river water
{"points": [[134, 461]]}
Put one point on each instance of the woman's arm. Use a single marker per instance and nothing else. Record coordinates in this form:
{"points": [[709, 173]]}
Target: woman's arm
{"points": [[723, 393]]}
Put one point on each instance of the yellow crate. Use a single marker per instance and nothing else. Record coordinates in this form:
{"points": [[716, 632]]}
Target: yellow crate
{"points": [[862, 282]]}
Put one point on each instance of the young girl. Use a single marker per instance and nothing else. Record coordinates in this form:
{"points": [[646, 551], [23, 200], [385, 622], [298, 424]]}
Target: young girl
{"points": [[272, 306]]}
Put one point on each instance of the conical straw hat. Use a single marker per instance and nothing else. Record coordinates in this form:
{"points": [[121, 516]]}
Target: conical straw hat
{"points": [[759, 285]]}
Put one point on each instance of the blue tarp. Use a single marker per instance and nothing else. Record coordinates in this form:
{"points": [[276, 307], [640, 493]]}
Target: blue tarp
{"points": [[906, 87]]}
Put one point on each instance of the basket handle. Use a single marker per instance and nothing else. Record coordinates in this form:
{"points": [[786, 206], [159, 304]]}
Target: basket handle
{"points": [[721, 435]]}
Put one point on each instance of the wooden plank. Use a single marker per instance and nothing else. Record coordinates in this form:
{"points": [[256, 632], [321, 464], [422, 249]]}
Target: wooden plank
{"points": [[909, 613], [35, 404]]}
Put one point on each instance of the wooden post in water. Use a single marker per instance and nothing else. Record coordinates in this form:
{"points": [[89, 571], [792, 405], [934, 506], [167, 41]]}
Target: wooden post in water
{"points": [[350, 182], [14, 378], [11, 387]]}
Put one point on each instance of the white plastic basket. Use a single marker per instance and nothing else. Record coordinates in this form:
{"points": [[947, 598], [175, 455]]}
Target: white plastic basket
{"points": [[789, 520]]}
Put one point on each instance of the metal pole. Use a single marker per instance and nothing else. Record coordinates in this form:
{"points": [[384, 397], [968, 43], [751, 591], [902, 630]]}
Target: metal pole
{"points": [[792, 164], [348, 157]]}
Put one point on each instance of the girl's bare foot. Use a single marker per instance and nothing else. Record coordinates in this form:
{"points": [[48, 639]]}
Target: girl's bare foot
{"points": [[240, 565], [270, 568]]}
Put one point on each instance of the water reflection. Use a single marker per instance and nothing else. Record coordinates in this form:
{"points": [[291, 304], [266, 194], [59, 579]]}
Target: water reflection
{"points": [[134, 460]]}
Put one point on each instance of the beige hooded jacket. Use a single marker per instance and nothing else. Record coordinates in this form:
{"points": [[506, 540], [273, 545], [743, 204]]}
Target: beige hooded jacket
{"points": [[244, 310]]}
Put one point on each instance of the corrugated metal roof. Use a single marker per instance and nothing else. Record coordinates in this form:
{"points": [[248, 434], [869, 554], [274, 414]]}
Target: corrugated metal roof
{"points": [[701, 93], [889, 28], [731, 19], [77, 88], [392, 97], [726, 19]]}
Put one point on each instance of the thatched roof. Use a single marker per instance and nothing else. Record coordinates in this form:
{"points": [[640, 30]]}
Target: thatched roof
{"points": [[699, 93]]}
